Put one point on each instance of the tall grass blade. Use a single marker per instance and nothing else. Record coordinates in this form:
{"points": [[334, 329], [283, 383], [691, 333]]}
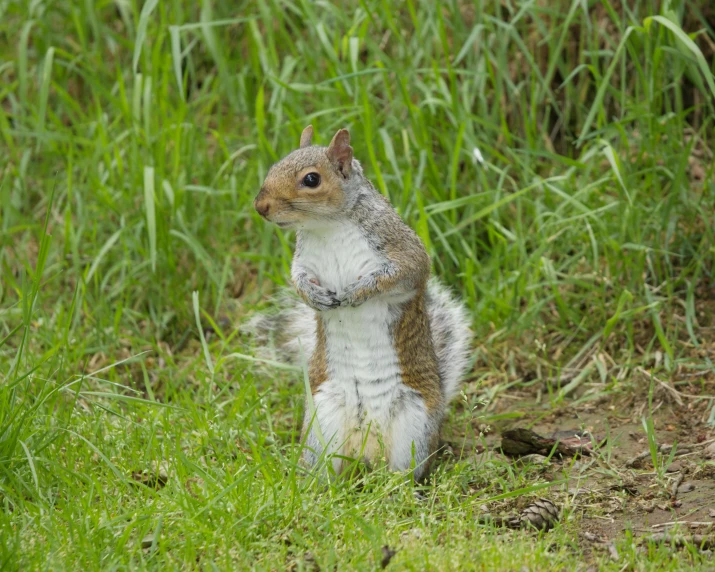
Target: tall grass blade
{"points": [[149, 206], [45, 92], [144, 16]]}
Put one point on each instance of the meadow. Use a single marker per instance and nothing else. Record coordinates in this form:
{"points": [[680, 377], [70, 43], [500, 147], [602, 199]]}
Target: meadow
{"points": [[555, 157]]}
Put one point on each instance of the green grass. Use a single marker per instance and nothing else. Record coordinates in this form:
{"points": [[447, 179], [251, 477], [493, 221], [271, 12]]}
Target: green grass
{"points": [[133, 138]]}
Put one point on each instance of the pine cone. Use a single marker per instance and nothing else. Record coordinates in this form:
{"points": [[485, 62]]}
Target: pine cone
{"points": [[542, 515]]}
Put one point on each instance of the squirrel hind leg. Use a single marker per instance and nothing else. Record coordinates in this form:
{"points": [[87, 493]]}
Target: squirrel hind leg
{"points": [[413, 437]]}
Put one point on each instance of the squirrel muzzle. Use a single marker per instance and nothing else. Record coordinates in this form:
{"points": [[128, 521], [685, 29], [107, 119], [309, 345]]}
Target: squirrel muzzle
{"points": [[262, 204]]}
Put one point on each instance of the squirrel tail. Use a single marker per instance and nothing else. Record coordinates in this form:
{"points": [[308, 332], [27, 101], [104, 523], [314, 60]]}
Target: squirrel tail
{"points": [[451, 336], [290, 333]]}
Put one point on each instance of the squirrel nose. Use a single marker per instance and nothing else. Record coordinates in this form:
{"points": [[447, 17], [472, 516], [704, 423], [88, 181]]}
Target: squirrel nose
{"points": [[262, 207]]}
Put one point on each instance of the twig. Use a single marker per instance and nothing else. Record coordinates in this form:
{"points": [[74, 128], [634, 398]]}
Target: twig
{"points": [[674, 392], [674, 522], [678, 541], [681, 450], [677, 395], [676, 484]]}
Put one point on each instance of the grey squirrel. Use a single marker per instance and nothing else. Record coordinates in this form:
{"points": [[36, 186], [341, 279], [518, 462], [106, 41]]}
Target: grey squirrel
{"points": [[387, 346]]}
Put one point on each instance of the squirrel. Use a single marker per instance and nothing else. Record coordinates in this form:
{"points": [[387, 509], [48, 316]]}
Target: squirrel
{"points": [[387, 345]]}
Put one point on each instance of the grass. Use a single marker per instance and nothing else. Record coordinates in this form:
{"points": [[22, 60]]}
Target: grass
{"points": [[133, 138]]}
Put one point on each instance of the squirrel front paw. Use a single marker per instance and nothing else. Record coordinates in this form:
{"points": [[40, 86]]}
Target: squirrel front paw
{"points": [[355, 294], [316, 296]]}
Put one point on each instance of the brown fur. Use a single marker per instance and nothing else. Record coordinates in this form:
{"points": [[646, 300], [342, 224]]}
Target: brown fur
{"points": [[284, 199], [318, 367], [418, 361], [306, 138]]}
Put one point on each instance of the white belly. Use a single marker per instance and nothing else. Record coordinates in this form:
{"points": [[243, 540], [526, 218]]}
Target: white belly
{"points": [[363, 369], [337, 255]]}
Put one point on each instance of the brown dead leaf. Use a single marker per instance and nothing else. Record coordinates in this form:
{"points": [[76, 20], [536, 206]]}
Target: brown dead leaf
{"points": [[520, 441]]}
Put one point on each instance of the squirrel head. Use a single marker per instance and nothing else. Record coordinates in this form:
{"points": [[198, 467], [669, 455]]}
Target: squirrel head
{"points": [[310, 184]]}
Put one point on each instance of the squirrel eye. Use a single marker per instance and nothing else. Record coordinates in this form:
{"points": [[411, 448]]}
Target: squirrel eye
{"points": [[311, 180]]}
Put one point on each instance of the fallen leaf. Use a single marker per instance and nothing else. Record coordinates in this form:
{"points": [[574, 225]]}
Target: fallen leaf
{"points": [[520, 441], [575, 439]]}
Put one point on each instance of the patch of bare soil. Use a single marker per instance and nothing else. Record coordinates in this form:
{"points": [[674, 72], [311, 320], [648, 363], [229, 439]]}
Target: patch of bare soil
{"points": [[603, 452], [617, 488]]}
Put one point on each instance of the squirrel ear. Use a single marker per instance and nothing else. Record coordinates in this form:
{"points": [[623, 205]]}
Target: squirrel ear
{"points": [[340, 153], [306, 137]]}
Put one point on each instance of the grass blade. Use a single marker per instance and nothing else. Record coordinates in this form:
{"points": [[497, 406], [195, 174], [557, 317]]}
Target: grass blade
{"points": [[150, 213], [204, 345], [45, 92], [689, 44], [147, 9]]}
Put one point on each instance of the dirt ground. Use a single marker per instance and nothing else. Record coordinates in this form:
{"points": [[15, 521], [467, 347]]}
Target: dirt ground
{"points": [[614, 487]]}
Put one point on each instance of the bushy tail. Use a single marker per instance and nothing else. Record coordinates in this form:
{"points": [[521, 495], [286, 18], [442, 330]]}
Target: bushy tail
{"points": [[450, 336], [292, 329]]}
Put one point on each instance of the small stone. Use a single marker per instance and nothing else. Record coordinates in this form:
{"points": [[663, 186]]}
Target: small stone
{"points": [[686, 487], [674, 468], [147, 541]]}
